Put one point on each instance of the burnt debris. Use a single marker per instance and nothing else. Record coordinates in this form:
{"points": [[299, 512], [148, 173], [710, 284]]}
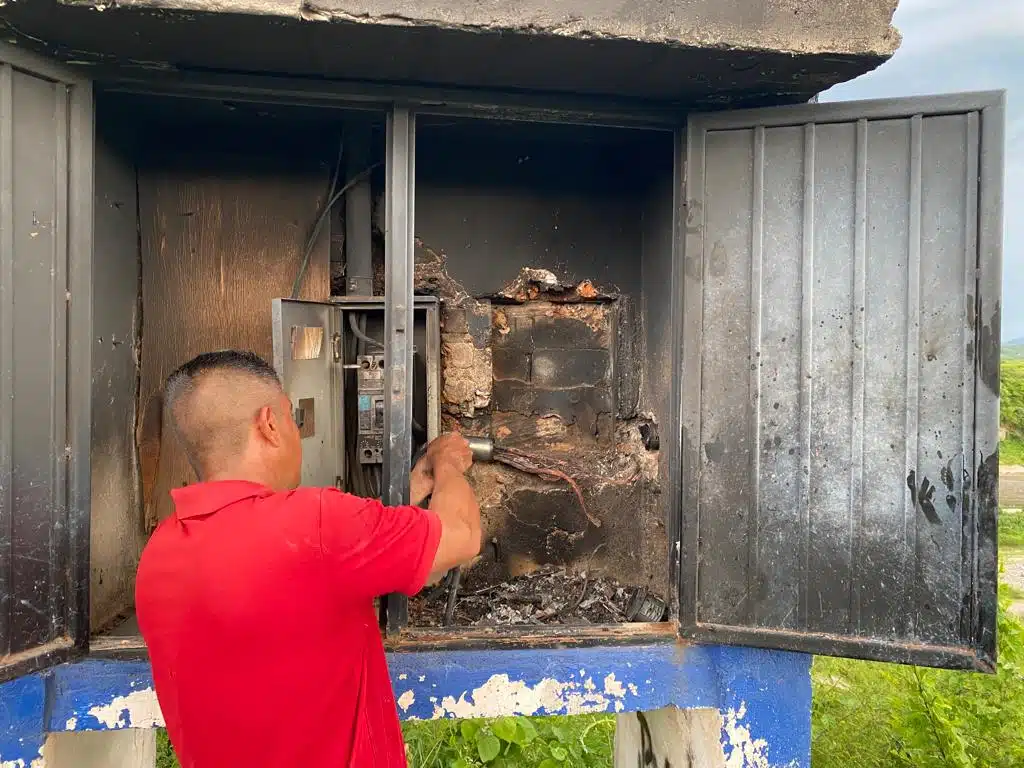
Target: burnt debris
{"points": [[549, 596]]}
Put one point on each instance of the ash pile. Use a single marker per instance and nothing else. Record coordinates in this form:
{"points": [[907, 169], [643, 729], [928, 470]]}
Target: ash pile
{"points": [[549, 596]]}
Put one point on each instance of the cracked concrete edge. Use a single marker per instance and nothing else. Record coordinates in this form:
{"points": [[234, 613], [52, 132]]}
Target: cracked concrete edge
{"points": [[871, 37]]}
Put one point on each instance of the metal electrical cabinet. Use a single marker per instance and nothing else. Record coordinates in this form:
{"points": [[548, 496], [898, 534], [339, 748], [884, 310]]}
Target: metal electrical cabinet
{"points": [[330, 357], [822, 321]]}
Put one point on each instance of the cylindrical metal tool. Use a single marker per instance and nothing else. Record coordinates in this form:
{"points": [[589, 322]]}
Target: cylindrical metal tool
{"points": [[482, 448]]}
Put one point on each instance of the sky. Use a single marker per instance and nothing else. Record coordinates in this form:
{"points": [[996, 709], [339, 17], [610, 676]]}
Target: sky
{"points": [[965, 45]]}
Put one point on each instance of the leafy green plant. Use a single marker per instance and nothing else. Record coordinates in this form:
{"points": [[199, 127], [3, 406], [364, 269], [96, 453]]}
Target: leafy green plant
{"points": [[512, 742]]}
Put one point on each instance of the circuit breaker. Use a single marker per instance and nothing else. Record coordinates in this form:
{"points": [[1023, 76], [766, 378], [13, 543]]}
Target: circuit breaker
{"points": [[370, 395]]}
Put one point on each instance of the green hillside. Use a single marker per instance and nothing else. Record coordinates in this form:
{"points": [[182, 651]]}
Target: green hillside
{"points": [[1011, 406]]}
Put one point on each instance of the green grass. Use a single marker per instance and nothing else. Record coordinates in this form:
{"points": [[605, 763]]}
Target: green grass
{"points": [[1011, 451], [1011, 531], [874, 715], [1014, 593], [1011, 398]]}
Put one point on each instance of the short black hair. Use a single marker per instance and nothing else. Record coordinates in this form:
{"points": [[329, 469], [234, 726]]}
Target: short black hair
{"points": [[181, 384], [238, 361]]}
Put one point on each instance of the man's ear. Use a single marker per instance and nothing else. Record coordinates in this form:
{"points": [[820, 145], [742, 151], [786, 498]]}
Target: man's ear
{"points": [[268, 426]]}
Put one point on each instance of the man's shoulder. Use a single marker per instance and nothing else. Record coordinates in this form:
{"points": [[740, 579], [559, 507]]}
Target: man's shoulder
{"points": [[304, 494]]}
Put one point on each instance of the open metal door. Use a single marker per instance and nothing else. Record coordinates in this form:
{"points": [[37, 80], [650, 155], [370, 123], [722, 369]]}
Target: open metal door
{"points": [[840, 379], [306, 344], [46, 192]]}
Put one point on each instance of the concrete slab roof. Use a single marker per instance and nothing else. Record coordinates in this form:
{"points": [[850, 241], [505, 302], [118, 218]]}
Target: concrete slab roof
{"points": [[701, 53]]}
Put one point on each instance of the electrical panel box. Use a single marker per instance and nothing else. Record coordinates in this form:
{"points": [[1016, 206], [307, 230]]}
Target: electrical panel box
{"points": [[330, 357]]}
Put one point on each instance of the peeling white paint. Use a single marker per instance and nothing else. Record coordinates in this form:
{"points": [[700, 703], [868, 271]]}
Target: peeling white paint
{"points": [[70, 724], [613, 687], [36, 762], [403, 676], [406, 700], [139, 709], [742, 749], [422, 678], [501, 696], [633, 689]]}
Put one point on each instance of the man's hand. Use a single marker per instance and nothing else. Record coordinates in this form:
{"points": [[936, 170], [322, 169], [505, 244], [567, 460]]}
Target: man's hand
{"points": [[450, 449], [421, 482], [454, 502]]}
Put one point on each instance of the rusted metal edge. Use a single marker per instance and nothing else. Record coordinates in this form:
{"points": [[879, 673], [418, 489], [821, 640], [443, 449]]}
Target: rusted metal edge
{"points": [[505, 638], [532, 637], [34, 659], [824, 644]]}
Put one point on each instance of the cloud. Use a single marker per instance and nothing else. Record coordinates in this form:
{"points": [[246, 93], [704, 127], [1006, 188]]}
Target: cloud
{"points": [[957, 45]]}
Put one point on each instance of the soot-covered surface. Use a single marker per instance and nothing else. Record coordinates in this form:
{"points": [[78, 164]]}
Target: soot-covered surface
{"points": [[549, 596]]}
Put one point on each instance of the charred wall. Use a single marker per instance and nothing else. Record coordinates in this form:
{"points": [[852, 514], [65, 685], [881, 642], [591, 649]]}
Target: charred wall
{"points": [[223, 221], [118, 533], [534, 238], [201, 214]]}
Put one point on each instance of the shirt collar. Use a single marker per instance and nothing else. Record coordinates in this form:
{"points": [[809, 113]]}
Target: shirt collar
{"points": [[201, 499]]}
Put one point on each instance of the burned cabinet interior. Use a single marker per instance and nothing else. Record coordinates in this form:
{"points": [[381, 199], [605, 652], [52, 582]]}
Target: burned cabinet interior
{"points": [[534, 245], [206, 211], [541, 242], [538, 252]]}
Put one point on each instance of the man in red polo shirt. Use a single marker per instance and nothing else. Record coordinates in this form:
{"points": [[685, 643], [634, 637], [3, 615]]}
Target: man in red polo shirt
{"points": [[255, 597]]}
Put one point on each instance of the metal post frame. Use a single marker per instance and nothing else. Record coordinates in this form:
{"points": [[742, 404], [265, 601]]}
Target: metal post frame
{"points": [[399, 216]]}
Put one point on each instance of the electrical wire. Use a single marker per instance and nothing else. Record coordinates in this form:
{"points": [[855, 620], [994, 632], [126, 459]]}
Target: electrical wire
{"points": [[360, 334], [315, 233]]}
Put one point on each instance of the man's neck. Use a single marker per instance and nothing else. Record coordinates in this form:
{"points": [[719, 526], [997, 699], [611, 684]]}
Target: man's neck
{"points": [[244, 474]]}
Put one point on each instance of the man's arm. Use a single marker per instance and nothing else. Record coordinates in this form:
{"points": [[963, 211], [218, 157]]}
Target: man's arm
{"points": [[371, 549], [421, 482], [454, 502]]}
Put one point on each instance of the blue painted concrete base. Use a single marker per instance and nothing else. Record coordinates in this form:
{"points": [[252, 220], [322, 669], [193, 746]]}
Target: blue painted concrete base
{"points": [[763, 697]]}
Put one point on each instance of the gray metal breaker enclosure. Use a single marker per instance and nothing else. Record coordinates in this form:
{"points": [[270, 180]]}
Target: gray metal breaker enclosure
{"points": [[802, 300]]}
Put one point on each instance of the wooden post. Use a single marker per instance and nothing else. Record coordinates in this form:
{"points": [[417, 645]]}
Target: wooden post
{"points": [[126, 748], [669, 738]]}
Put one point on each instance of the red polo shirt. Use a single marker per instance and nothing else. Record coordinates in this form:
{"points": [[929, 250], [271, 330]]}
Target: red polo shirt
{"points": [[257, 608]]}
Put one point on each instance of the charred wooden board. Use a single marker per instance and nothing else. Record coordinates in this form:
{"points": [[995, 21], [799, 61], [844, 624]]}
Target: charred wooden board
{"points": [[221, 237]]}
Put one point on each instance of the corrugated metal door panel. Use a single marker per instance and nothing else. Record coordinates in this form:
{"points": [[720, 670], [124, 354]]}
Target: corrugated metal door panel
{"points": [[45, 149], [841, 289]]}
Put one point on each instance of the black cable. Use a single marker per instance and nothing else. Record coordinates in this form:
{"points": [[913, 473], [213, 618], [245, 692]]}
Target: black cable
{"points": [[360, 334], [311, 241], [453, 592]]}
